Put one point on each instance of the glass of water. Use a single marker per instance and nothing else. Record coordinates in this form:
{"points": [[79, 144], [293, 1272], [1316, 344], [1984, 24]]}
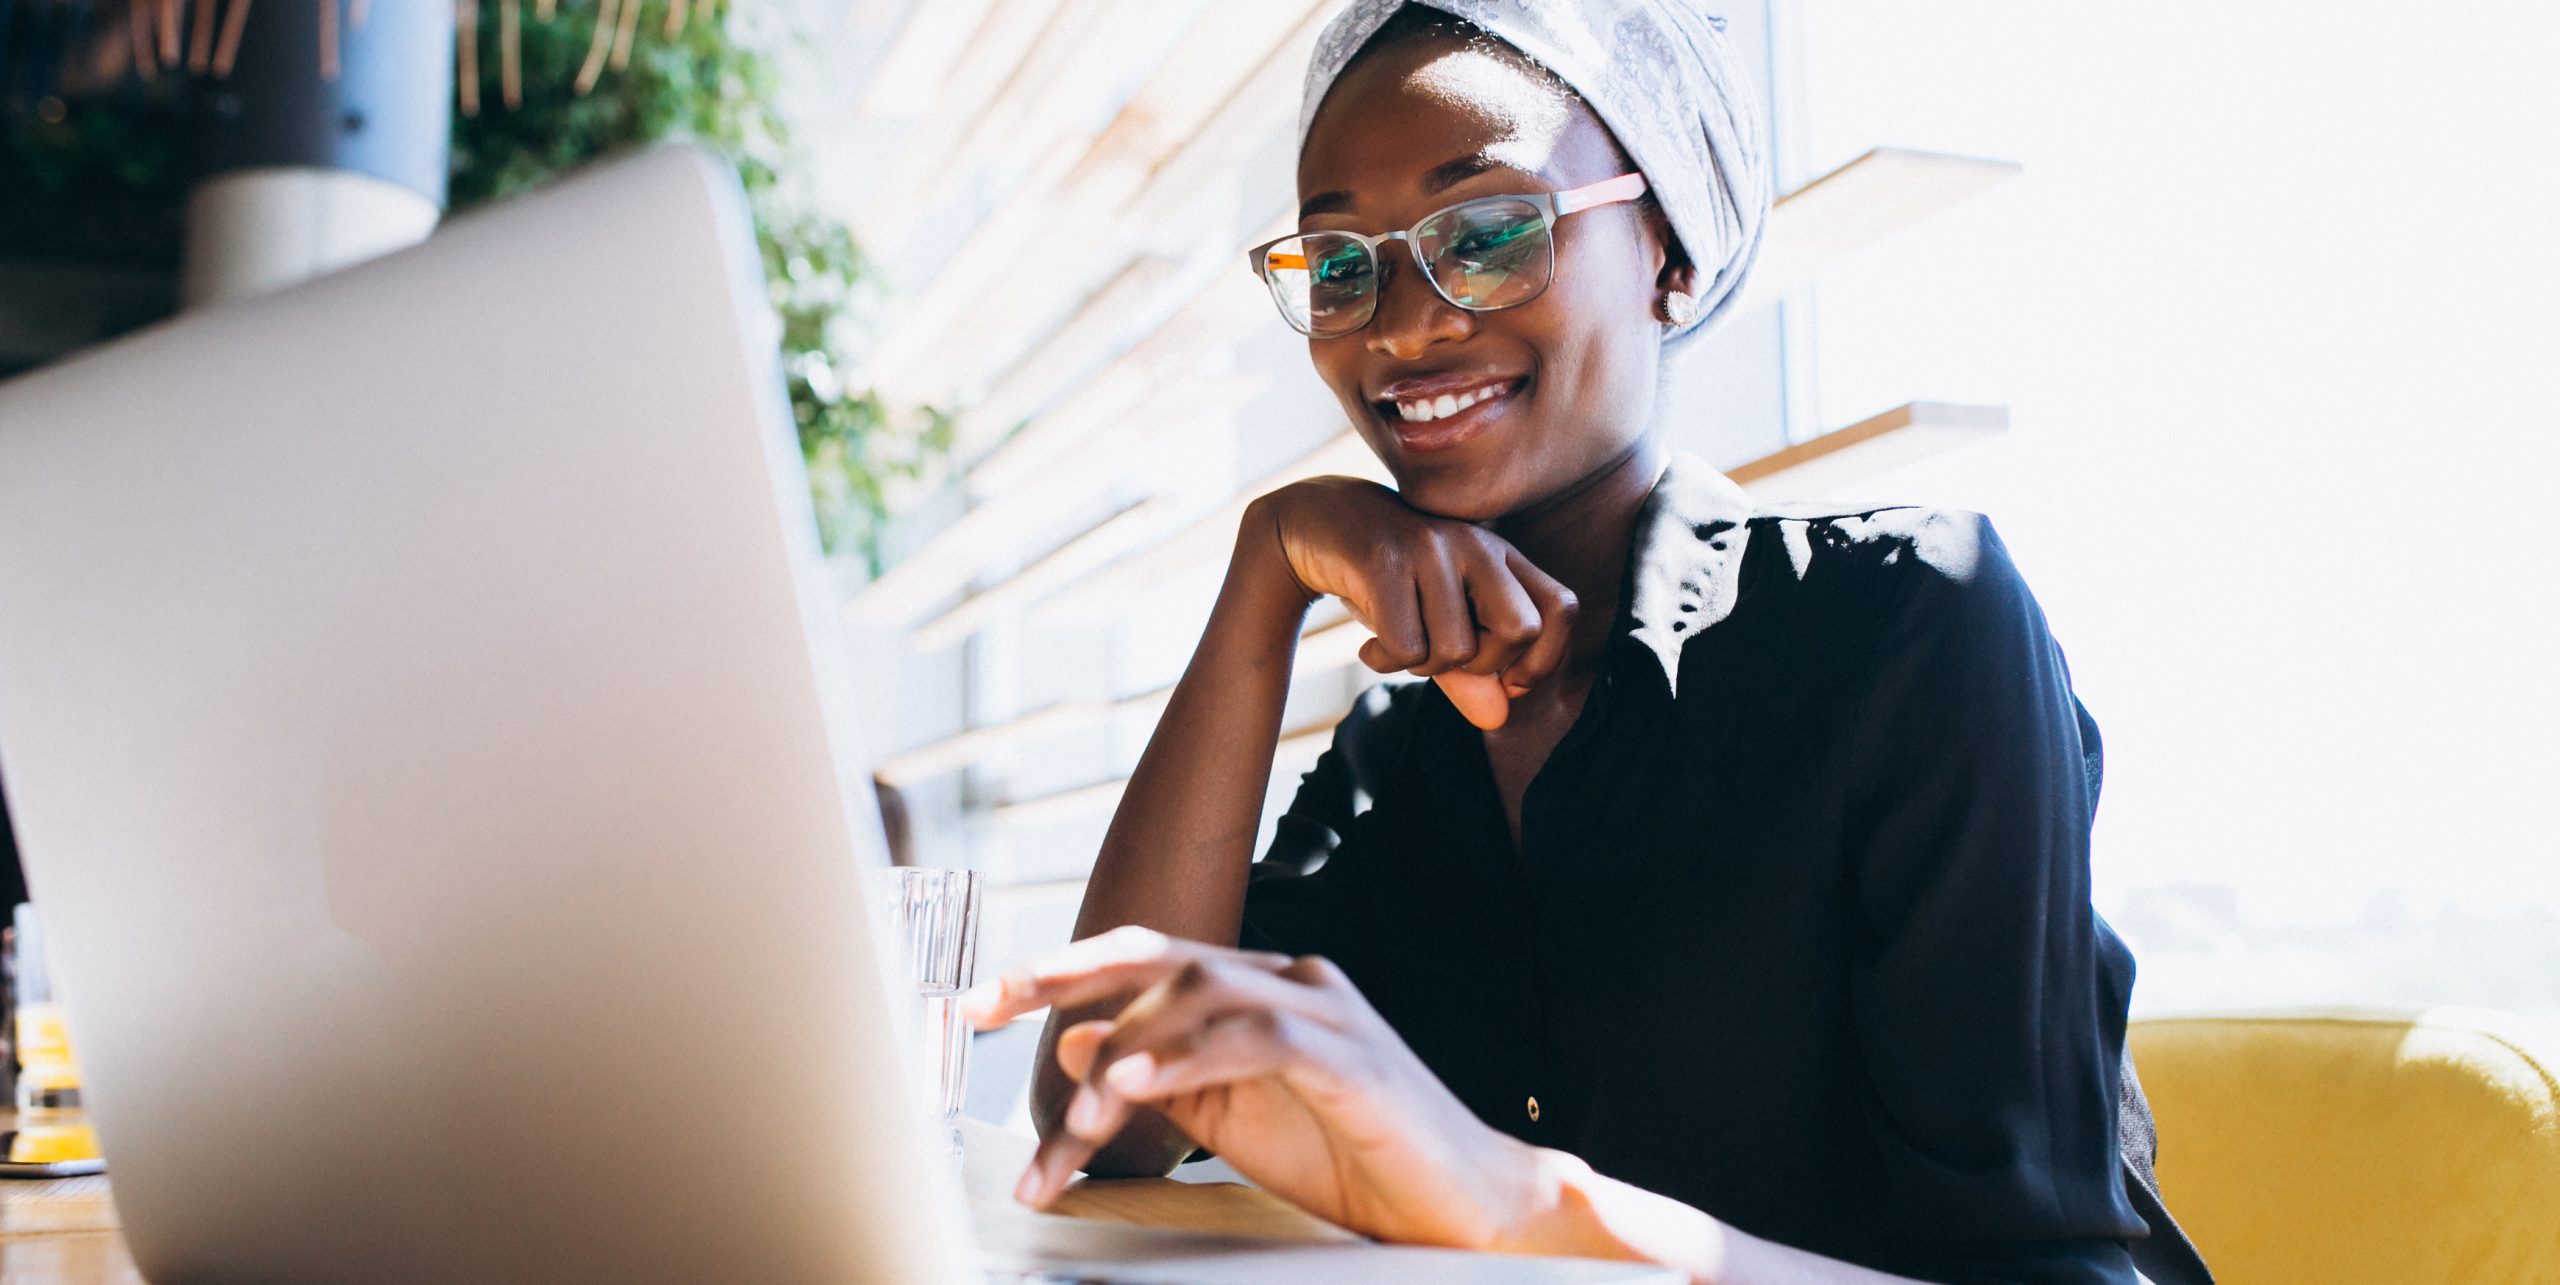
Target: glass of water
{"points": [[932, 918]]}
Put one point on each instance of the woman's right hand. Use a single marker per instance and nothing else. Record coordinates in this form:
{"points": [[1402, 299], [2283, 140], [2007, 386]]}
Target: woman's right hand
{"points": [[1445, 600]]}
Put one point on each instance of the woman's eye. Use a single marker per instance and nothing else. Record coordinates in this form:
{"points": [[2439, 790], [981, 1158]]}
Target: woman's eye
{"points": [[1341, 269], [1482, 243]]}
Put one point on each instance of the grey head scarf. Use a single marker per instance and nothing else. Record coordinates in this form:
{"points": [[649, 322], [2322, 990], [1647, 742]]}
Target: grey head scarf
{"points": [[1661, 78]]}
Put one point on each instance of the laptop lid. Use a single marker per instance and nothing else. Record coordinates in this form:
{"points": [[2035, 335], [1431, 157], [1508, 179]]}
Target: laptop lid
{"points": [[427, 736]]}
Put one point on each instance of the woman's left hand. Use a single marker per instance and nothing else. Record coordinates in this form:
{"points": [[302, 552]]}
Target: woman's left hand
{"points": [[1281, 1068]]}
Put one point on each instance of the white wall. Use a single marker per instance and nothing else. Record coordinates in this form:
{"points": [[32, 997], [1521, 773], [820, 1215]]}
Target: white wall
{"points": [[2273, 307]]}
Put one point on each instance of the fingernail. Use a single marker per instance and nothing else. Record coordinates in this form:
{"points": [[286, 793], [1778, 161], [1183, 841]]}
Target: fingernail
{"points": [[1025, 1190], [1131, 1074], [1515, 690]]}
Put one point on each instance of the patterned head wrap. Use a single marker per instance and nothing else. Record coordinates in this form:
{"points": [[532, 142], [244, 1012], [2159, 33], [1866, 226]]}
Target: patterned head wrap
{"points": [[1660, 77]]}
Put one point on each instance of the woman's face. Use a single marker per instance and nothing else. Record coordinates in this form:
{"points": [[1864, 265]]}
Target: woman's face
{"points": [[1566, 381]]}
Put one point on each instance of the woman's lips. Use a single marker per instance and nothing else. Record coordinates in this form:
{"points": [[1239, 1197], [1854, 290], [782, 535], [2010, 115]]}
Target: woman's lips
{"points": [[1492, 401]]}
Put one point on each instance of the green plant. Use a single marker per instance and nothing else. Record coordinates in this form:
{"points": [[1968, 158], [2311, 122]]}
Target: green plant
{"points": [[94, 168], [713, 80]]}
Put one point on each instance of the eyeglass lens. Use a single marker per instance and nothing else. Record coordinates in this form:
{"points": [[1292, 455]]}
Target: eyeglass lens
{"points": [[1482, 255]]}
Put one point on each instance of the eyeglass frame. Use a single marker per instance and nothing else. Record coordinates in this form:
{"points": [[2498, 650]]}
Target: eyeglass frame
{"points": [[1552, 206]]}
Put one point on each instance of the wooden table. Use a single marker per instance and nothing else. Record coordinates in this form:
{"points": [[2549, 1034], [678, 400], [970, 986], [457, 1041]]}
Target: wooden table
{"points": [[65, 1232]]}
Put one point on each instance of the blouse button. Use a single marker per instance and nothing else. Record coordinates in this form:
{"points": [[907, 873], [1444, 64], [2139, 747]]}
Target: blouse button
{"points": [[1533, 1110]]}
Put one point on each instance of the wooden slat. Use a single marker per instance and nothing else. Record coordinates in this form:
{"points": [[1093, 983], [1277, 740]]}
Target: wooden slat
{"points": [[994, 48], [1070, 354], [1064, 805], [1172, 360], [1094, 547], [1065, 79], [1297, 751], [1331, 641], [981, 743], [953, 556], [1096, 596], [1096, 420], [1083, 205], [929, 43], [946, 563]]}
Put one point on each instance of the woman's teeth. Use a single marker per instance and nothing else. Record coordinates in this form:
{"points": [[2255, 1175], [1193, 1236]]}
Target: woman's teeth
{"points": [[1446, 404]]}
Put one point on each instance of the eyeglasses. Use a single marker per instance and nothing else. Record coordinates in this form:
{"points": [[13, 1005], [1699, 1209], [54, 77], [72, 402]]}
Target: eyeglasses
{"points": [[1483, 255]]}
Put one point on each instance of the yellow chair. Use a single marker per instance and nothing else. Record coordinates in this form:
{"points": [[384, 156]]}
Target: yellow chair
{"points": [[2416, 1148]]}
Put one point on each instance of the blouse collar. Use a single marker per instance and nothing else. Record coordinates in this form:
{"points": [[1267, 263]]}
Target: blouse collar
{"points": [[1687, 558]]}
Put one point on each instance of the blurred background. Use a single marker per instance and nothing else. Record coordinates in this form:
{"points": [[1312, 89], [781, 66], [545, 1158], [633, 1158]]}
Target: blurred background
{"points": [[2237, 318]]}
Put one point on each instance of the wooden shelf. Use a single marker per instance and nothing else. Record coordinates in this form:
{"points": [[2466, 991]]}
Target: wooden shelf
{"points": [[1848, 456]]}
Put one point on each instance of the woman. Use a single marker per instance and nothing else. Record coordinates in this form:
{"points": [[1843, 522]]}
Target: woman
{"points": [[1723, 900]]}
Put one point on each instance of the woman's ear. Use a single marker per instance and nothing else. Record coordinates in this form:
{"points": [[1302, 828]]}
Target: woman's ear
{"points": [[1680, 275], [1678, 272]]}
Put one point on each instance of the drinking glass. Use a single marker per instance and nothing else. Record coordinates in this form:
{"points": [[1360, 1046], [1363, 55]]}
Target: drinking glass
{"points": [[932, 920]]}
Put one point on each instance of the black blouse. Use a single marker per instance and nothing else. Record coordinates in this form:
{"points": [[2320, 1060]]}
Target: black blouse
{"points": [[1798, 929]]}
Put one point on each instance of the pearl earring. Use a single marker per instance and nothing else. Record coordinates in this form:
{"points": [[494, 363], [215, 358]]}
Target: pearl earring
{"points": [[1679, 307]]}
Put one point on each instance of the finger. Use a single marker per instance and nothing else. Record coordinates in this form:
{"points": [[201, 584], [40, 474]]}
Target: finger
{"points": [[1556, 610], [1077, 1045], [1169, 1013], [1480, 698], [1203, 991], [1452, 627], [1310, 1057], [1242, 1043], [1026, 987], [1054, 1163], [1302, 1046], [1396, 618], [1112, 965], [1507, 619]]}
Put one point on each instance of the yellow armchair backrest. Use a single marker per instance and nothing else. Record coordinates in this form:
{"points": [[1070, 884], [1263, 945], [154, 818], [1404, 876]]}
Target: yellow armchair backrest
{"points": [[2323, 1147]]}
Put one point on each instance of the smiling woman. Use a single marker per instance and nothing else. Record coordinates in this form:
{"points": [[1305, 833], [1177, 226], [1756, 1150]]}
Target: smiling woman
{"points": [[1723, 900], [1475, 118]]}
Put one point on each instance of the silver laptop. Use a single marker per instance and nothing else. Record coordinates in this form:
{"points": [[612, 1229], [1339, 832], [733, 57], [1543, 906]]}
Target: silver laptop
{"points": [[427, 734]]}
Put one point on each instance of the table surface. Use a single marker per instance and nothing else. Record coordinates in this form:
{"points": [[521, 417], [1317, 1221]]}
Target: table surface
{"points": [[64, 1231]]}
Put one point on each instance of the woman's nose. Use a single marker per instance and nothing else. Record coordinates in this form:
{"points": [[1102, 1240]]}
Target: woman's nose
{"points": [[1411, 315]]}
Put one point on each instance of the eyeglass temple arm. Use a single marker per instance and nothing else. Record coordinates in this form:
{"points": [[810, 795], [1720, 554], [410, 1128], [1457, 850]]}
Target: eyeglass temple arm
{"points": [[1608, 191]]}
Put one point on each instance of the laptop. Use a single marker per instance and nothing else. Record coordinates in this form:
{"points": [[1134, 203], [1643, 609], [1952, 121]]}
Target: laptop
{"points": [[433, 757]]}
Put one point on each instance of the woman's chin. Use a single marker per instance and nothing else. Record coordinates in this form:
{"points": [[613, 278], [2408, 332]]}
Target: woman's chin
{"points": [[1455, 494]]}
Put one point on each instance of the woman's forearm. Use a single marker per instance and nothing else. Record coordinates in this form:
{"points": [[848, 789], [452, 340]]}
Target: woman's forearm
{"points": [[1176, 855], [1584, 1215]]}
